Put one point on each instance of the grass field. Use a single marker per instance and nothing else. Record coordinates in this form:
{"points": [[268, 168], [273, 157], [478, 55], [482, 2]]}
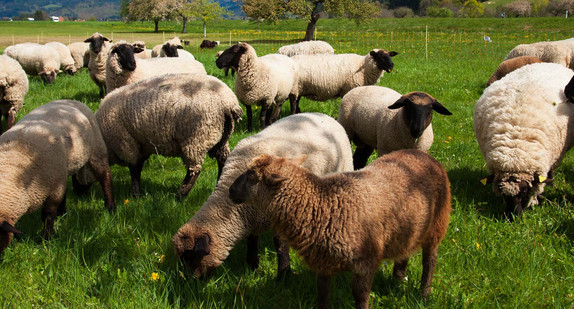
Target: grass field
{"points": [[97, 259]]}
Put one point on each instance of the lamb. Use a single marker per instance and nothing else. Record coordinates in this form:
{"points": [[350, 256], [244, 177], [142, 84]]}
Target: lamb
{"points": [[187, 115], [555, 52], [99, 50], [13, 88], [38, 154], [306, 48], [225, 69], [124, 68], [510, 65], [80, 51], [523, 124], [140, 50], [204, 242], [36, 59], [266, 81], [351, 221], [66, 61], [379, 117], [324, 77]]}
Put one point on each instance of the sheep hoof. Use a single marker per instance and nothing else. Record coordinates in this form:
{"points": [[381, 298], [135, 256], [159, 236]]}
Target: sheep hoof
{"points": [[285, 274]]}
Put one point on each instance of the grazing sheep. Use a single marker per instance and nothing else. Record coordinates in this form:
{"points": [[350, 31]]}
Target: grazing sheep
{"points": [[204, 242], [100, 47], [351, 221], [67, 63], [306, 48], [208, 44], [524, 127], [80, 52], [38, 154], [140, 50], [510, 65], [36, 59], [171, 48], [323, 77], [554, 52], [13, 88], [379, 117], [187, 116], [266, 81], [124, 68], [225, 69]]}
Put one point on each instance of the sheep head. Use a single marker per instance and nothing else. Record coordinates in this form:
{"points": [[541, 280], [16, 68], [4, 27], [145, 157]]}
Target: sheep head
{"points": [[96, 42], [383, 59], [193, 246], [417, 111], [170, 48], [139, 46], [49, 76], [122, 58], [231, 56], [70, 69], [569, 91], [7, 231]]}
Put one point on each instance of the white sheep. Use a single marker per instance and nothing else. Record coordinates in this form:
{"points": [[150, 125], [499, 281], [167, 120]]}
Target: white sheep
{"points": [[13, 88], [66, 61], [186, 115], [80, 52], [36, 59], [100, 47], [523, 124], [381, 118], [351, 221], [324, 76], [306, 48], [124, 68], [555, 52], [266, 81], [38, 154], [204, 242], [140, 50]]}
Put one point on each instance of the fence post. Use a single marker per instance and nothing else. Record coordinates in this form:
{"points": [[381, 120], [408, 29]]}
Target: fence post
{"points": [[427, 42]]}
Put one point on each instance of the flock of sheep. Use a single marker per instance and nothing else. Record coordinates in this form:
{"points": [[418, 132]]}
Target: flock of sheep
{"points": [[298, 175]]}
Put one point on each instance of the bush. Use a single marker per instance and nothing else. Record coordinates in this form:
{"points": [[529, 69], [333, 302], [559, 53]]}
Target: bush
{"points": [[434, 11], [559, 8], [403, 11], [520, 8], [472, 8]]}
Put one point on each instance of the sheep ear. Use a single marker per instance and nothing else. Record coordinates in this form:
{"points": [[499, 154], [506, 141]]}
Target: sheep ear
{"points": [[179, 47], [569, 91], [393, 53], [276, 179], [439, 108], [299, 160], [202, 245], [88, 40], [399, 103], [106, 39], [9, 228], [542, 179]]}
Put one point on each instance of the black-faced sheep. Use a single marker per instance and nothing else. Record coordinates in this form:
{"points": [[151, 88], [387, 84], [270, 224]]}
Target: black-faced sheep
{"points": [[510, 65], [352, 221], [225, 69], [379, 117], [99, 50], [13, 88], [187, 116], [208, 44], [140, 50]]}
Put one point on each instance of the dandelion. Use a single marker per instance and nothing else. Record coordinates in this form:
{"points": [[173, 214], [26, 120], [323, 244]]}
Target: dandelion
{"points": [[126, 201], [154, 276], [478, 246]]}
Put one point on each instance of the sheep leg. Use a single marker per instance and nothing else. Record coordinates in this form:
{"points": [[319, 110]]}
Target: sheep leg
{"points": [[400, 269], [283, 261], [276, 113], [188, 183], [104, 176], [252, 250], [52, 207], [361, 286], [11, 119], [429, 263], [323, 291], [294, 104], [269, 114], [249, 117], [135, 174], [361, 156], [79, 188], [262, 115], [102, 91]]}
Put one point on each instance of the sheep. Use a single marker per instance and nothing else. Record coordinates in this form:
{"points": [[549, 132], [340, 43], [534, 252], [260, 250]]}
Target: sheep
{"points": [[80, 51], [379, 117], [225, 69], [124, 68], [306, 48], [187, 115], [140, 50], [38, 154], [99, 50], [67, 63], [510, 65], [13, 88], [266, 81], [523, 127], [171, 48], [36, 59], [208, 44], [220, 224], [323, 77], [555, 52], [351, 221]]}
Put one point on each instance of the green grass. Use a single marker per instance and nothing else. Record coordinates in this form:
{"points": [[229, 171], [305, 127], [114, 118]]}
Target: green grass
{"points": [[97, 259]]}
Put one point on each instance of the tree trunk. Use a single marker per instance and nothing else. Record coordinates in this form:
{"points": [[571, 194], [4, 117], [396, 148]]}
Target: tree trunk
{"points": [[312, 23], [204, 29], [184, 29], [156, 26]]}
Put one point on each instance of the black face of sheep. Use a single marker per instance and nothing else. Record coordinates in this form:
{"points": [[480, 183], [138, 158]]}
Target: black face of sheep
{"points": [[96, 43], [171, 50], [383, 59], [126, 56], [48, 77], [418, 108], [138, 47], [516, 190], [230, 57], [239, 190], [208, 44], [569, 91]]}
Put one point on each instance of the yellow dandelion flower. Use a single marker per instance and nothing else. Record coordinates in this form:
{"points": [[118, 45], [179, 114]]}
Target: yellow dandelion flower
{"points": [[154, 276], [478, 246], [126, 201]]}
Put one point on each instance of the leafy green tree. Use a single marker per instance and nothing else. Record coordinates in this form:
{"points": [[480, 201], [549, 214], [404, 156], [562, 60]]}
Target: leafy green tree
{"points": [[204, 10], [154, 10], [472, 8], [273, 10]]}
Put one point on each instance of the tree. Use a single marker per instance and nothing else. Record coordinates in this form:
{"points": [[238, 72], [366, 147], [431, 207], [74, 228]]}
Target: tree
{"points": [[204, 10], [154, 10], [472, 8], [273, 10]]}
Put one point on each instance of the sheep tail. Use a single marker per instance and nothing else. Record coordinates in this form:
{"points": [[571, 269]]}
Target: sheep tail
{"points": [[221, 150]]}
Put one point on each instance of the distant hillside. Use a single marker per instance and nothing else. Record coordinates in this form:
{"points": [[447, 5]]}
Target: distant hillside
{"points": [[82, 9]]}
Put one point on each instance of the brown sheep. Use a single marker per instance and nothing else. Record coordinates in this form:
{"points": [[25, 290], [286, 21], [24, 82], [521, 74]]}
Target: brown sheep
{"points": [[351, 221], [510, 65]]}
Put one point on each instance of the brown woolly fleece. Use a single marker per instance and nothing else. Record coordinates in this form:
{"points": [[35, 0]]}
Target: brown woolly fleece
{"points": [[510, 65], [352, 221]]}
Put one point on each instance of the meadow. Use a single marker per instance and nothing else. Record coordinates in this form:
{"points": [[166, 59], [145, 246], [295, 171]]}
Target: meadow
{"points": [[125, 259]]}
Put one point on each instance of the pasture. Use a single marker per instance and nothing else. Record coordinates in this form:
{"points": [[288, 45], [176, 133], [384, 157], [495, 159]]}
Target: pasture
{"points": [[97, 259]]}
